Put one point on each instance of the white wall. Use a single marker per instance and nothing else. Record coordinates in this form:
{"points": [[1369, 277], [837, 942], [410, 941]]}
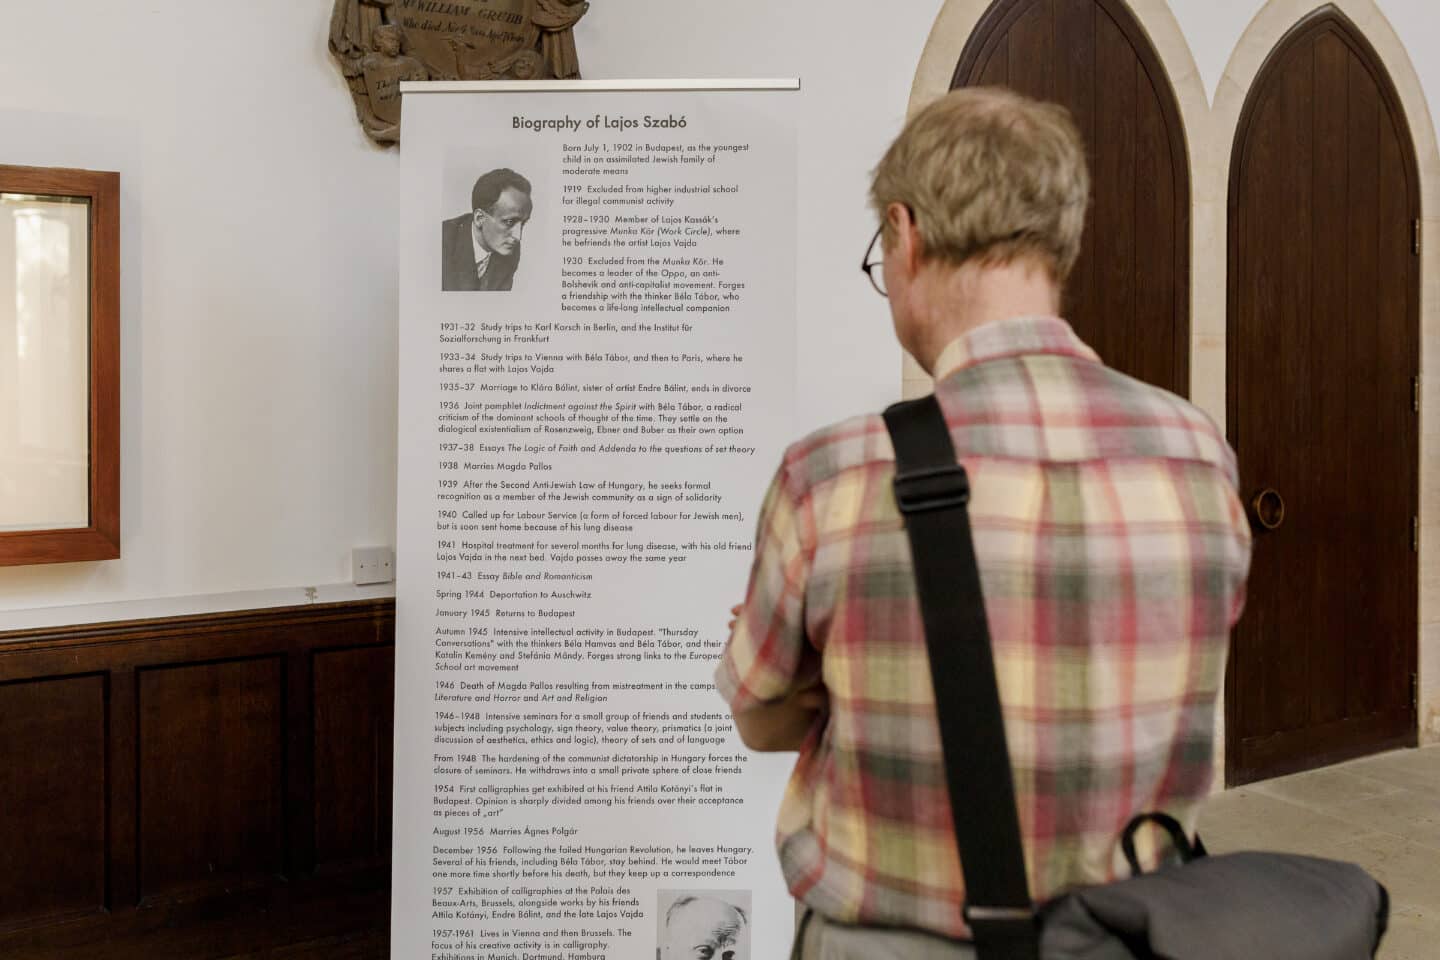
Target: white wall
{"points": [[259, 301]]}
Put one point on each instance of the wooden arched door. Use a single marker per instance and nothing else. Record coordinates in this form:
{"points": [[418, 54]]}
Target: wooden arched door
{"points": [[1129, 296], [1323, 353]]}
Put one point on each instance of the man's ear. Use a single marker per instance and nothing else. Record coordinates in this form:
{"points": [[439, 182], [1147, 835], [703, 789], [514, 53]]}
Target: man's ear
{"points": [[908, 247]]}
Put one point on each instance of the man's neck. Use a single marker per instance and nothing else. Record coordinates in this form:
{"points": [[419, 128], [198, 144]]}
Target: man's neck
{"points": [[949, 302]]}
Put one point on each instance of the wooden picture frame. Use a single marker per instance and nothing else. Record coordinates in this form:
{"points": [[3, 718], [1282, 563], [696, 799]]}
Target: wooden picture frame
{"points": [[96, 536]]}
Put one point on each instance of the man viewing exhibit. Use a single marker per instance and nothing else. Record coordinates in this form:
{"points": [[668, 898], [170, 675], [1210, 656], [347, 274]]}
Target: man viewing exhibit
{"points": [[1111, 545], [481, 249]]}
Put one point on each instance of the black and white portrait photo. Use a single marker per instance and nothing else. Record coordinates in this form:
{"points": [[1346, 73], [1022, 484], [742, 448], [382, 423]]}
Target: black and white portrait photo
{"points": [[703, 925], [481, 248]]}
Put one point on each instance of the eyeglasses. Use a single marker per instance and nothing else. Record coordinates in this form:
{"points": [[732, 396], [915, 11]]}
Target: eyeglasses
{"points": [[874, 262]]}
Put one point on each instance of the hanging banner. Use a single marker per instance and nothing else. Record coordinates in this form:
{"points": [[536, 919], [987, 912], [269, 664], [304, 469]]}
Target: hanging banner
{"points": [[597, 355]]}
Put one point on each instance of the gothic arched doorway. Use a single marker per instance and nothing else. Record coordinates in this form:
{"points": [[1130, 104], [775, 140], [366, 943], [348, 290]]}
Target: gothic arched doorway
{"points": [[1322, 405]]}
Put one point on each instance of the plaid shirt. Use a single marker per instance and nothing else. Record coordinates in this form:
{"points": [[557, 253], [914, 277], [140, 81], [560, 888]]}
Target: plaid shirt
{"points": [[1113, 552]]}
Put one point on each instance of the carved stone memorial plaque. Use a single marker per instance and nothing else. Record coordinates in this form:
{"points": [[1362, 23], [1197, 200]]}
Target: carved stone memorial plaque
{"points": [[381, 43]]}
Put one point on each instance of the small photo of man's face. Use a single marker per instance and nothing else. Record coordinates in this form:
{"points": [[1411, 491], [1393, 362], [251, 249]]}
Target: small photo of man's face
{"points": [[502, 226], [706, 928]]}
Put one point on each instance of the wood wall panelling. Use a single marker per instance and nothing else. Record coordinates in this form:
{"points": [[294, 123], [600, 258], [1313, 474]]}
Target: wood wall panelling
{"points": [[52, 797], [354, 729], [150, 766], [212, 765]]}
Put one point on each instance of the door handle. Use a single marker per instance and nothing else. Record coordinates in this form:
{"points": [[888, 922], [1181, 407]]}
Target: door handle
{"points": [[1268, 508]]}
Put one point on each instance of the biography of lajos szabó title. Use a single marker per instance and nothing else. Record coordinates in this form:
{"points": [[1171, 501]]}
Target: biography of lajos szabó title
{"points": [[597, 354]]}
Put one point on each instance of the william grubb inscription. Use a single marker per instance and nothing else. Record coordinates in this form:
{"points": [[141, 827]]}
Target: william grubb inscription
{"points": [[380, 43]]}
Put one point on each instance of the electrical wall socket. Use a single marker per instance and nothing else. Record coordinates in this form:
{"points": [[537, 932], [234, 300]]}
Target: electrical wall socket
{"points": [[372, 565]]}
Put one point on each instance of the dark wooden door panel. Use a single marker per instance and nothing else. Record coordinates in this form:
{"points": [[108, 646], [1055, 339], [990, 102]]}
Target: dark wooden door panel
{"points": [[354, 730], [1031, 43], [1277, 307], [52, 797], [1323, 342], [211, 773], [1129, 295]]}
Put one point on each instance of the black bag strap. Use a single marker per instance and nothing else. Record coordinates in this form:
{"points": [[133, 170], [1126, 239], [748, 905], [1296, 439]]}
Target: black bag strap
{"points": [[797, 949], [1188, 851], [932, 491]]}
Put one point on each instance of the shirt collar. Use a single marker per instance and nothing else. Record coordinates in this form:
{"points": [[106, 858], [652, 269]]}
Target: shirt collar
{"points": [[482, 255], [1011, 337]]}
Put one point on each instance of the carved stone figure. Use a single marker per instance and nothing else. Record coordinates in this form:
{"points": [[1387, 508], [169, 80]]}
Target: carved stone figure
{"points": [[557, 19], [380, 43], [352, 26], [383, 71], [520, 65]]}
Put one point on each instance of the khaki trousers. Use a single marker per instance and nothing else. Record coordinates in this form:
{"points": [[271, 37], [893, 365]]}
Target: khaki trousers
{"points": [[825, 940]]}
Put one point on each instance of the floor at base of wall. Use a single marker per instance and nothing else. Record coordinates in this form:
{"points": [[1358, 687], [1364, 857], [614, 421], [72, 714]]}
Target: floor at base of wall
{"points": [[1380, 812]]}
